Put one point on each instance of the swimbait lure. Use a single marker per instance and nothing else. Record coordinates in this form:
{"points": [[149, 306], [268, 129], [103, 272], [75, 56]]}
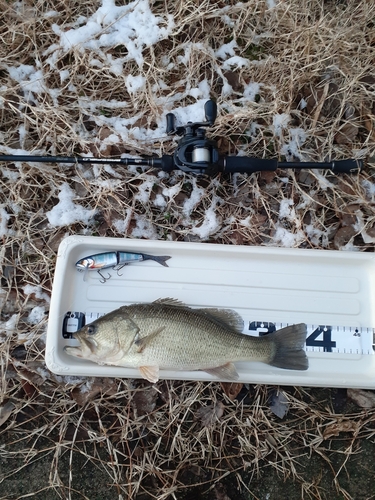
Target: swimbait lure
{"points": [[115, 260]]}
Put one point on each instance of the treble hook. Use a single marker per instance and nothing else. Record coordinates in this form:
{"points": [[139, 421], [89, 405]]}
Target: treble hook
{"points": [[118, 268], [104, 278]]}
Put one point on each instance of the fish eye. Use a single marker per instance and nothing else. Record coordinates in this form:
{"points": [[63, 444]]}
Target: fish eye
{"points": [[90, 330]]}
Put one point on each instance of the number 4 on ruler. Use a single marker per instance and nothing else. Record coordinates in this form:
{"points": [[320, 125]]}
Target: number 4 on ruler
{"points": [[326, 342]]}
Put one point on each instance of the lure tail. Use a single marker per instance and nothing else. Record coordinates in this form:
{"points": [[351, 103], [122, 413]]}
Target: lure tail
{"points": [[160, 259]]}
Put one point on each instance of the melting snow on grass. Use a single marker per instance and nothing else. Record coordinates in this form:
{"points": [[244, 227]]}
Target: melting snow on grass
{"points": [[66, 211], [134, 26]]}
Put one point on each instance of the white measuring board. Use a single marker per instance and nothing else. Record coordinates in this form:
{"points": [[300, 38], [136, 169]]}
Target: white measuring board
{"points": [[332, 292]]}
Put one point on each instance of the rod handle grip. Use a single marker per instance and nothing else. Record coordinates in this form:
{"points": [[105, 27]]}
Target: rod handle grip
{"points": [[347, 166], [246, 165]]}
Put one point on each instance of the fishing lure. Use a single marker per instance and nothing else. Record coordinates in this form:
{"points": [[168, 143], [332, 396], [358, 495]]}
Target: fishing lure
{"points": [[115, 260]]}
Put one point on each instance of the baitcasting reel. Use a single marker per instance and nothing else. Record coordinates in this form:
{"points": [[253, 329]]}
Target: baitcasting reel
{"points": [[195, 153], [198, 155]]}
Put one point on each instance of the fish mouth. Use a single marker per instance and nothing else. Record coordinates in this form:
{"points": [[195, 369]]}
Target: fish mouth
{"points": [[75, 351], [81, 351], [86, 342]]}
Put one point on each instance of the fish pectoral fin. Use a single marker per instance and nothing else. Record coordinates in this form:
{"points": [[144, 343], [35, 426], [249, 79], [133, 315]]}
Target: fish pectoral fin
{"points": [[150, 373], [227, 371], [141, 342]]}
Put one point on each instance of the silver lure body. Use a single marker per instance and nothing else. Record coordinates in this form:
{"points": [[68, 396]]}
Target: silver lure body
{"points": [[108, 260], [112, 260]]}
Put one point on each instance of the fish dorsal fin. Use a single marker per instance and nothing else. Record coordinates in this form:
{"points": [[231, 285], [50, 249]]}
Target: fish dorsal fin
{"points": [[150, 373], [169, 301], [227, 371], [225, 317]]}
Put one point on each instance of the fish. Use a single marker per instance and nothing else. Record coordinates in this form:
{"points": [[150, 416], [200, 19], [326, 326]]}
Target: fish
{"points": [[167, 334], [116, 260]]}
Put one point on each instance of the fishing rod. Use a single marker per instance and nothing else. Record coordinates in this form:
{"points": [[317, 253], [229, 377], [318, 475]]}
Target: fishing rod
{"points": [[198, 155]]}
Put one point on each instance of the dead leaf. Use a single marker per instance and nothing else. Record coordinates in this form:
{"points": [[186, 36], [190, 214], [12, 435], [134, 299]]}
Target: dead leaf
{"points": [[55, 240], [371, 231], [267, 176], [231, 389], [144, 400], [34, 373], [279, 403], [322, 102], [104, 132], [343, 236], [5, 411], [90, 390], [208, 415], [233, 79], [368, 80], [88, 123], [236, 237], [346, 134], [348, 219], [29, 389], [364, 399], [340, 426], [33, 378]]}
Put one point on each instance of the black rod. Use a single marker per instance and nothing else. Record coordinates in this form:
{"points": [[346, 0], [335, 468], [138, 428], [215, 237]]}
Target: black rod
{"points": [[76, 159]]}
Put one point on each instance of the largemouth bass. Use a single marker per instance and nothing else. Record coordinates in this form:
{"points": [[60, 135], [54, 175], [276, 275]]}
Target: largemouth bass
{"points": [[167, 334]]}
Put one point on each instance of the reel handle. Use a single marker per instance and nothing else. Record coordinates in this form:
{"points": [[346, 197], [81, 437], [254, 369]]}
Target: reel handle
{"points": [[210, 111]]}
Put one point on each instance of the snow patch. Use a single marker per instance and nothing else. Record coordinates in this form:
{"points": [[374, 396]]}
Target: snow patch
{"points": [[4, 218], [280, 122], [37, 291], [287, 238], [133, 25], [36, 315], [66, 211], [144, 229]]}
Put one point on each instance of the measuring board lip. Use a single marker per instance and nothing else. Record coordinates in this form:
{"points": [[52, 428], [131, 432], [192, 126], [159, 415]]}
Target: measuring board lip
{"points": [[145, 282]]}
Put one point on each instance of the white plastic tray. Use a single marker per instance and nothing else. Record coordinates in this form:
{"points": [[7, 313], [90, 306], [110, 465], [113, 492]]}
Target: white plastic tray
{"points": [[261, 283]]}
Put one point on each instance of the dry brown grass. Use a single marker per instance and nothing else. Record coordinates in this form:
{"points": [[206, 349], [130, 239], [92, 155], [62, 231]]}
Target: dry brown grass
{"points": [[140, 440]]}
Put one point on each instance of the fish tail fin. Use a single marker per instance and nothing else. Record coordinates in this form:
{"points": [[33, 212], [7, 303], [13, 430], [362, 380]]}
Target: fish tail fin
{"points": [[289, 348], [160, 259]]}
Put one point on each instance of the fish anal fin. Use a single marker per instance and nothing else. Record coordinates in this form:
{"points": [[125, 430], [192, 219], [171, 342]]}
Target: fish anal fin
{"points": [[150, 373], [226, 317], [141, 342], [227, 371]]}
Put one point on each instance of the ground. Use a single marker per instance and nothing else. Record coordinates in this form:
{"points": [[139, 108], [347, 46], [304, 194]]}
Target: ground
{"points": [[293, 81]]}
